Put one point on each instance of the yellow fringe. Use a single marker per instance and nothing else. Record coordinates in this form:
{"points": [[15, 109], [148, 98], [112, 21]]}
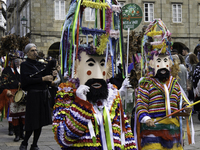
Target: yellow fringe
{"points": [[86, 144], [103, 44], [160, 46], [96, 5], [153, 33]]}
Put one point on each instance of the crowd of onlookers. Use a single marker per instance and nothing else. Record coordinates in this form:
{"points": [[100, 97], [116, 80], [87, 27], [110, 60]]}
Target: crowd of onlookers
{"points": [[187, 65]]}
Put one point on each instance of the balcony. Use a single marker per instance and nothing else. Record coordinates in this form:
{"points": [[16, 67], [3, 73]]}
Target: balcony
{"points": [[3, 8], [10, 5], [2, 22]]}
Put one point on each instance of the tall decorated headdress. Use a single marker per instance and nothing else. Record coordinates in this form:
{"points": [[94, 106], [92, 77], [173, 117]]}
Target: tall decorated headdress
{"points": [[106, 37], [156, 41]]}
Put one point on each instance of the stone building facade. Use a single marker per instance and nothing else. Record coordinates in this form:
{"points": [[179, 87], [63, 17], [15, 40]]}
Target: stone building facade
{"points": [[44, 25], [185, 32], [43, 28]]}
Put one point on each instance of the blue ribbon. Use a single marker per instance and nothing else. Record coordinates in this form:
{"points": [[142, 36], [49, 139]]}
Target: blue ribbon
{"points": [[181, 134], [111, 51]]}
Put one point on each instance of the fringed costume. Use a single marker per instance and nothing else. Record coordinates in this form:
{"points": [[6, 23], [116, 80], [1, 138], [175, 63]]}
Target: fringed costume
{"points": [[159, 94], [72, 116], [152, 102]]}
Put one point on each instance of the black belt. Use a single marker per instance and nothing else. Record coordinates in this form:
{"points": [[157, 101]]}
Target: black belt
{"points": [[45, 91]]}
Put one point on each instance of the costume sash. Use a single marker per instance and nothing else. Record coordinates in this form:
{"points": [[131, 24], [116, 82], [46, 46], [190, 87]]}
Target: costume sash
{"points": [[91, 129], [167, 101], [122, 132], [100, 122], [108, 129]]}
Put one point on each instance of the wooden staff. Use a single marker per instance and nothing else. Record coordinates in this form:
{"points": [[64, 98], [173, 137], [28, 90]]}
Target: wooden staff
{"points": [[177, 111]]}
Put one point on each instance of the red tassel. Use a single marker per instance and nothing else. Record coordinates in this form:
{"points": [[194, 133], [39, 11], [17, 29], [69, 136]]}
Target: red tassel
{"points": [[188, 133], [123, 120]]}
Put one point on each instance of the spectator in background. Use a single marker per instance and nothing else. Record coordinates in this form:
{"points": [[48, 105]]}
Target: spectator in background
{"points": [[183, 74], [185, 52], [197, 51], [196, 88], [193, 62]]}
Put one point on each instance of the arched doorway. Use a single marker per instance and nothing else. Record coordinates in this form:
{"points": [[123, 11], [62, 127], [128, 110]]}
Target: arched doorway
{"points": [[179, 46], [54, 50]]}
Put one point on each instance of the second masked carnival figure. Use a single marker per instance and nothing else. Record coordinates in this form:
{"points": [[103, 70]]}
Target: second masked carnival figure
{"points": [[88, 113], [159, 95]]}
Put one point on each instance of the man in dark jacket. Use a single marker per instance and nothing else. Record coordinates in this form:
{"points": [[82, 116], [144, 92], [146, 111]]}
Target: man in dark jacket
{"points": [[35, 81]]}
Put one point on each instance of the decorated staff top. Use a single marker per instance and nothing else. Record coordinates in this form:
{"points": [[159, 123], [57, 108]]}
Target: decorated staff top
{"points": [[106, 38], [132, 16], [156, 41]]}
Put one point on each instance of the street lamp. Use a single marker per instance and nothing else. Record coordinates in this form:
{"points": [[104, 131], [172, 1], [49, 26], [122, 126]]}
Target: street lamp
{"points": [[24, 21]]}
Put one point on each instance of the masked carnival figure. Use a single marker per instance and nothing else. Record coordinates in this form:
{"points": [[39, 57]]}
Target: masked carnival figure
{"points": [[88, 113], [159, 94]]}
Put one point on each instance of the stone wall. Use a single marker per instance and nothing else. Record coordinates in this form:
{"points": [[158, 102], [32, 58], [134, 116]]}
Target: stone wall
{"points": [[187, 32], [45, 30]]}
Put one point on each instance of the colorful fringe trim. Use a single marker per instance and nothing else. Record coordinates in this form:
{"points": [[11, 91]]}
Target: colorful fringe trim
{"points": [[71, 118]]}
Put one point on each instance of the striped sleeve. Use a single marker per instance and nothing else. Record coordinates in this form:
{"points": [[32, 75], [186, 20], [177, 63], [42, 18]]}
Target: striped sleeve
{"points": [[142, 101]]}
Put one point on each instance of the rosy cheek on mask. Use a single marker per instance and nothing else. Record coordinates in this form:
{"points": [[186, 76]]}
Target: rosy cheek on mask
{"points": [[104, 73], [167, 65], [157, 65], [89, 72]]}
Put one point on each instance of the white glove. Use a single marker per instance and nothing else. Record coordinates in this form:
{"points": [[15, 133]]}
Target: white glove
{"points": [[124, 86], [66, 74], [81, 92]]}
